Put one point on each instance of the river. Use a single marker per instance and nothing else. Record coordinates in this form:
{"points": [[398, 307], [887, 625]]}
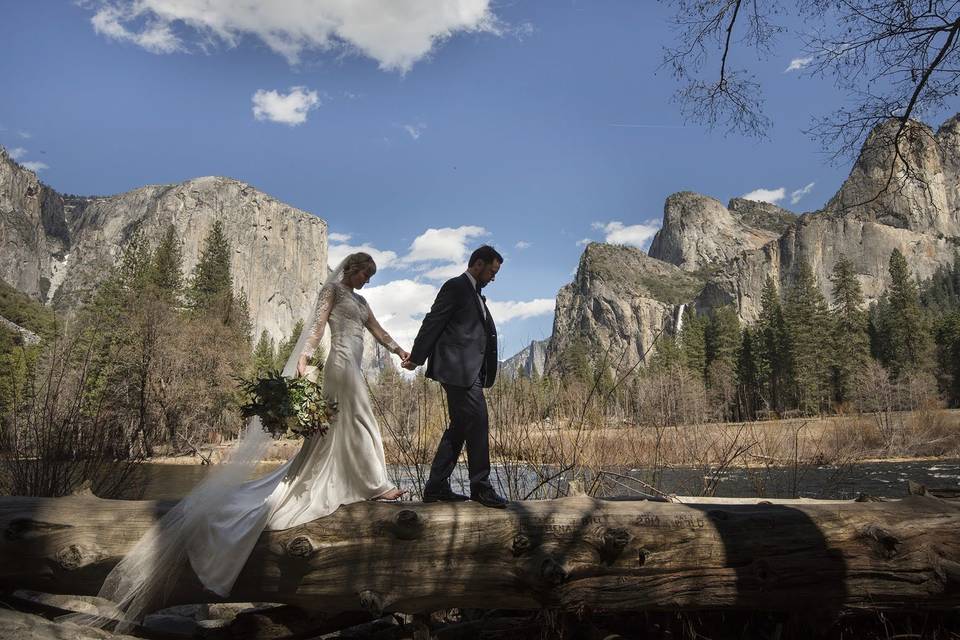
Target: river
{"points": [[881, 479]]}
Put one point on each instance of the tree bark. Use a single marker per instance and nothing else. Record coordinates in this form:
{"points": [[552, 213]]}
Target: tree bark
{"points": [[578, 554]]}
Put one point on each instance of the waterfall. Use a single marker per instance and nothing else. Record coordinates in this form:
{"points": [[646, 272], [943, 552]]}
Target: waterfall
{"points": [[678, 323]]}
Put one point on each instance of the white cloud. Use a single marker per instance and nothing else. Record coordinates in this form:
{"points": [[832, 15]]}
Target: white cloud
{"points": [[395, 34], [340, 237], [399, 306], [445, 271], [290, 108], [415, 130], [36, 167], [797, 64], [26, 135], [17, 153], [523, 244], [504, 312], [155, 36], [796, 196], [773, 196], [582, 242], [337, 252], [635, 235], [447, 243]]}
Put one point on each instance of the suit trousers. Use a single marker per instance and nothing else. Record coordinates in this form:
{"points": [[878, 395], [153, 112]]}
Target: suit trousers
{"points": [[469, 425]]}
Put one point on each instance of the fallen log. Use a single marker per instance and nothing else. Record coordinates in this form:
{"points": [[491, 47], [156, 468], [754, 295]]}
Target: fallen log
{"points": [[577, 554]]}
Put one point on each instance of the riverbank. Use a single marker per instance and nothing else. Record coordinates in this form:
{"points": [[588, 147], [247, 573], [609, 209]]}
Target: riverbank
{"points": [[860, 438]]}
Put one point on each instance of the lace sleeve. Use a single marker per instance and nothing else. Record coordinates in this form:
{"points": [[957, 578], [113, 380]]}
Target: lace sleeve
{"points": [[328, 298], [379, 332]]}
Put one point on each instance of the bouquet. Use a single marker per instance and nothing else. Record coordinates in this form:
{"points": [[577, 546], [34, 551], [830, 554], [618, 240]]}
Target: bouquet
{"points": [[293, 407]]}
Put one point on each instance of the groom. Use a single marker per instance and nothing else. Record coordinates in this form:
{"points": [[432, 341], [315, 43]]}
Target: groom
{"points": [[459, 341]]}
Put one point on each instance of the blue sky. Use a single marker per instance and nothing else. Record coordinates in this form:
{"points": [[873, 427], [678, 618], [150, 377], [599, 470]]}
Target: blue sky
{"points": [[418, 130]]}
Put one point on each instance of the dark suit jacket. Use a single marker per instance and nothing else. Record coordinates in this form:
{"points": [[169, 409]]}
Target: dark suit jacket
{"points": [[455, 340]]}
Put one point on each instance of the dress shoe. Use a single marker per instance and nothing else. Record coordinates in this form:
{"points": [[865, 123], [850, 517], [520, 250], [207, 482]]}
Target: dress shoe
{"points": [[444, 495], [489, 499]]}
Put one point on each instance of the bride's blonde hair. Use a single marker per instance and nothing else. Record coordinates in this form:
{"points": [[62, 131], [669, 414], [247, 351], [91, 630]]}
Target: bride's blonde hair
{"points": [[357, 261]]}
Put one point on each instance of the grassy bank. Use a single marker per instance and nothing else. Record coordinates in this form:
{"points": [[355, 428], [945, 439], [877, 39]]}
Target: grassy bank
{"points": [[898, 436]]}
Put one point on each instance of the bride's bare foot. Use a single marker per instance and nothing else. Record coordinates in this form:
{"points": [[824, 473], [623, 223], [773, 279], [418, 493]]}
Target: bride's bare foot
{"points": [[392, 494]]}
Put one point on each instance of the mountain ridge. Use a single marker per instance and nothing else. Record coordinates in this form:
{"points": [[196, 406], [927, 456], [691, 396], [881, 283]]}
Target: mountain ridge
{"points": [[57, 248], [732, 249]]}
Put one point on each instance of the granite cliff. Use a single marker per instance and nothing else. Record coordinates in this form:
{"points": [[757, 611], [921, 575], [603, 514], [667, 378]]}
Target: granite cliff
{"points": [[528, 362], [56, 248], [618, 302], [621, 297]]}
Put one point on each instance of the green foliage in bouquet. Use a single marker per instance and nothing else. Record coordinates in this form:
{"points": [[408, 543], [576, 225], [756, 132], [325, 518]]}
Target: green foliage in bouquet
{"points": [[293, 407]]}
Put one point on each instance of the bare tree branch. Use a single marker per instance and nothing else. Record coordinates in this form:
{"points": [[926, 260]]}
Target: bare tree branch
{"points": [[895, 59]]}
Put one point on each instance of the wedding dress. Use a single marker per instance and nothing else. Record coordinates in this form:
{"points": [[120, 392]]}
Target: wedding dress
{"points": [[216, 525], [347, 465]]}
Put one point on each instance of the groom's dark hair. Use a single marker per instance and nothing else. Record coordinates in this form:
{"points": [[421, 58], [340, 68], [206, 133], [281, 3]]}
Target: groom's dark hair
{"points": [[486, 253]]}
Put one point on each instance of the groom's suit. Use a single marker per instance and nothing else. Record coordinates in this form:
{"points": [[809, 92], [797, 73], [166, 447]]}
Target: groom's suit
{"points": [[458, 340]]}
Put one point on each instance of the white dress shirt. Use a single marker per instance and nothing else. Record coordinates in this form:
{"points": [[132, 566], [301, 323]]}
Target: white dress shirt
{"points": [[473, 282]]}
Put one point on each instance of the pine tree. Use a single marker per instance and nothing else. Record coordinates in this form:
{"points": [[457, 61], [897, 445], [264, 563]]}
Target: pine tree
{"points": [[667, 353], [264, 357], [238, 317], [851, 342], [942, 292], [135, 269], [721, 342], [692, 342], [285, 348], [168, 266], [948, 356], [771, 347], [748, 376], [212, 283], [575, 362], [808, 321], [722, 336], [905, 337]]}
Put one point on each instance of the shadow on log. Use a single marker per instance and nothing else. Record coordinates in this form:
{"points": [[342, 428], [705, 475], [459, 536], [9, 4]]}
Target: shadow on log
{"points": [[575, 554]]}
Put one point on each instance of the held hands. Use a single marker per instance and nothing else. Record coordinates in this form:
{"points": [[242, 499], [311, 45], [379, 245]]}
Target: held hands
{"points": [[405, 359]]}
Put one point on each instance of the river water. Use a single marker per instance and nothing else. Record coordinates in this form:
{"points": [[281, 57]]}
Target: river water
{"points": [[881, 479]]}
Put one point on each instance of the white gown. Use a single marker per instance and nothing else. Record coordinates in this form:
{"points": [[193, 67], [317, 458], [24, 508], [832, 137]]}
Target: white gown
{"points": [[346, 465]]}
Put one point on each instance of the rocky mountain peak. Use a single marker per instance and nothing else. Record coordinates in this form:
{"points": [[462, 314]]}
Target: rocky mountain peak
{"points": [[619, 301], [916, 191], [698, 231], [33, 231], [528, 362]]}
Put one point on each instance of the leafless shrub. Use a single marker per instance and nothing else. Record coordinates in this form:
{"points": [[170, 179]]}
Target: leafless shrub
{"points": [[63, 428]]}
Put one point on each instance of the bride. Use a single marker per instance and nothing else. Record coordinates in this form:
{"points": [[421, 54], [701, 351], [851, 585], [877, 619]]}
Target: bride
{"points": [[216, 526]]}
